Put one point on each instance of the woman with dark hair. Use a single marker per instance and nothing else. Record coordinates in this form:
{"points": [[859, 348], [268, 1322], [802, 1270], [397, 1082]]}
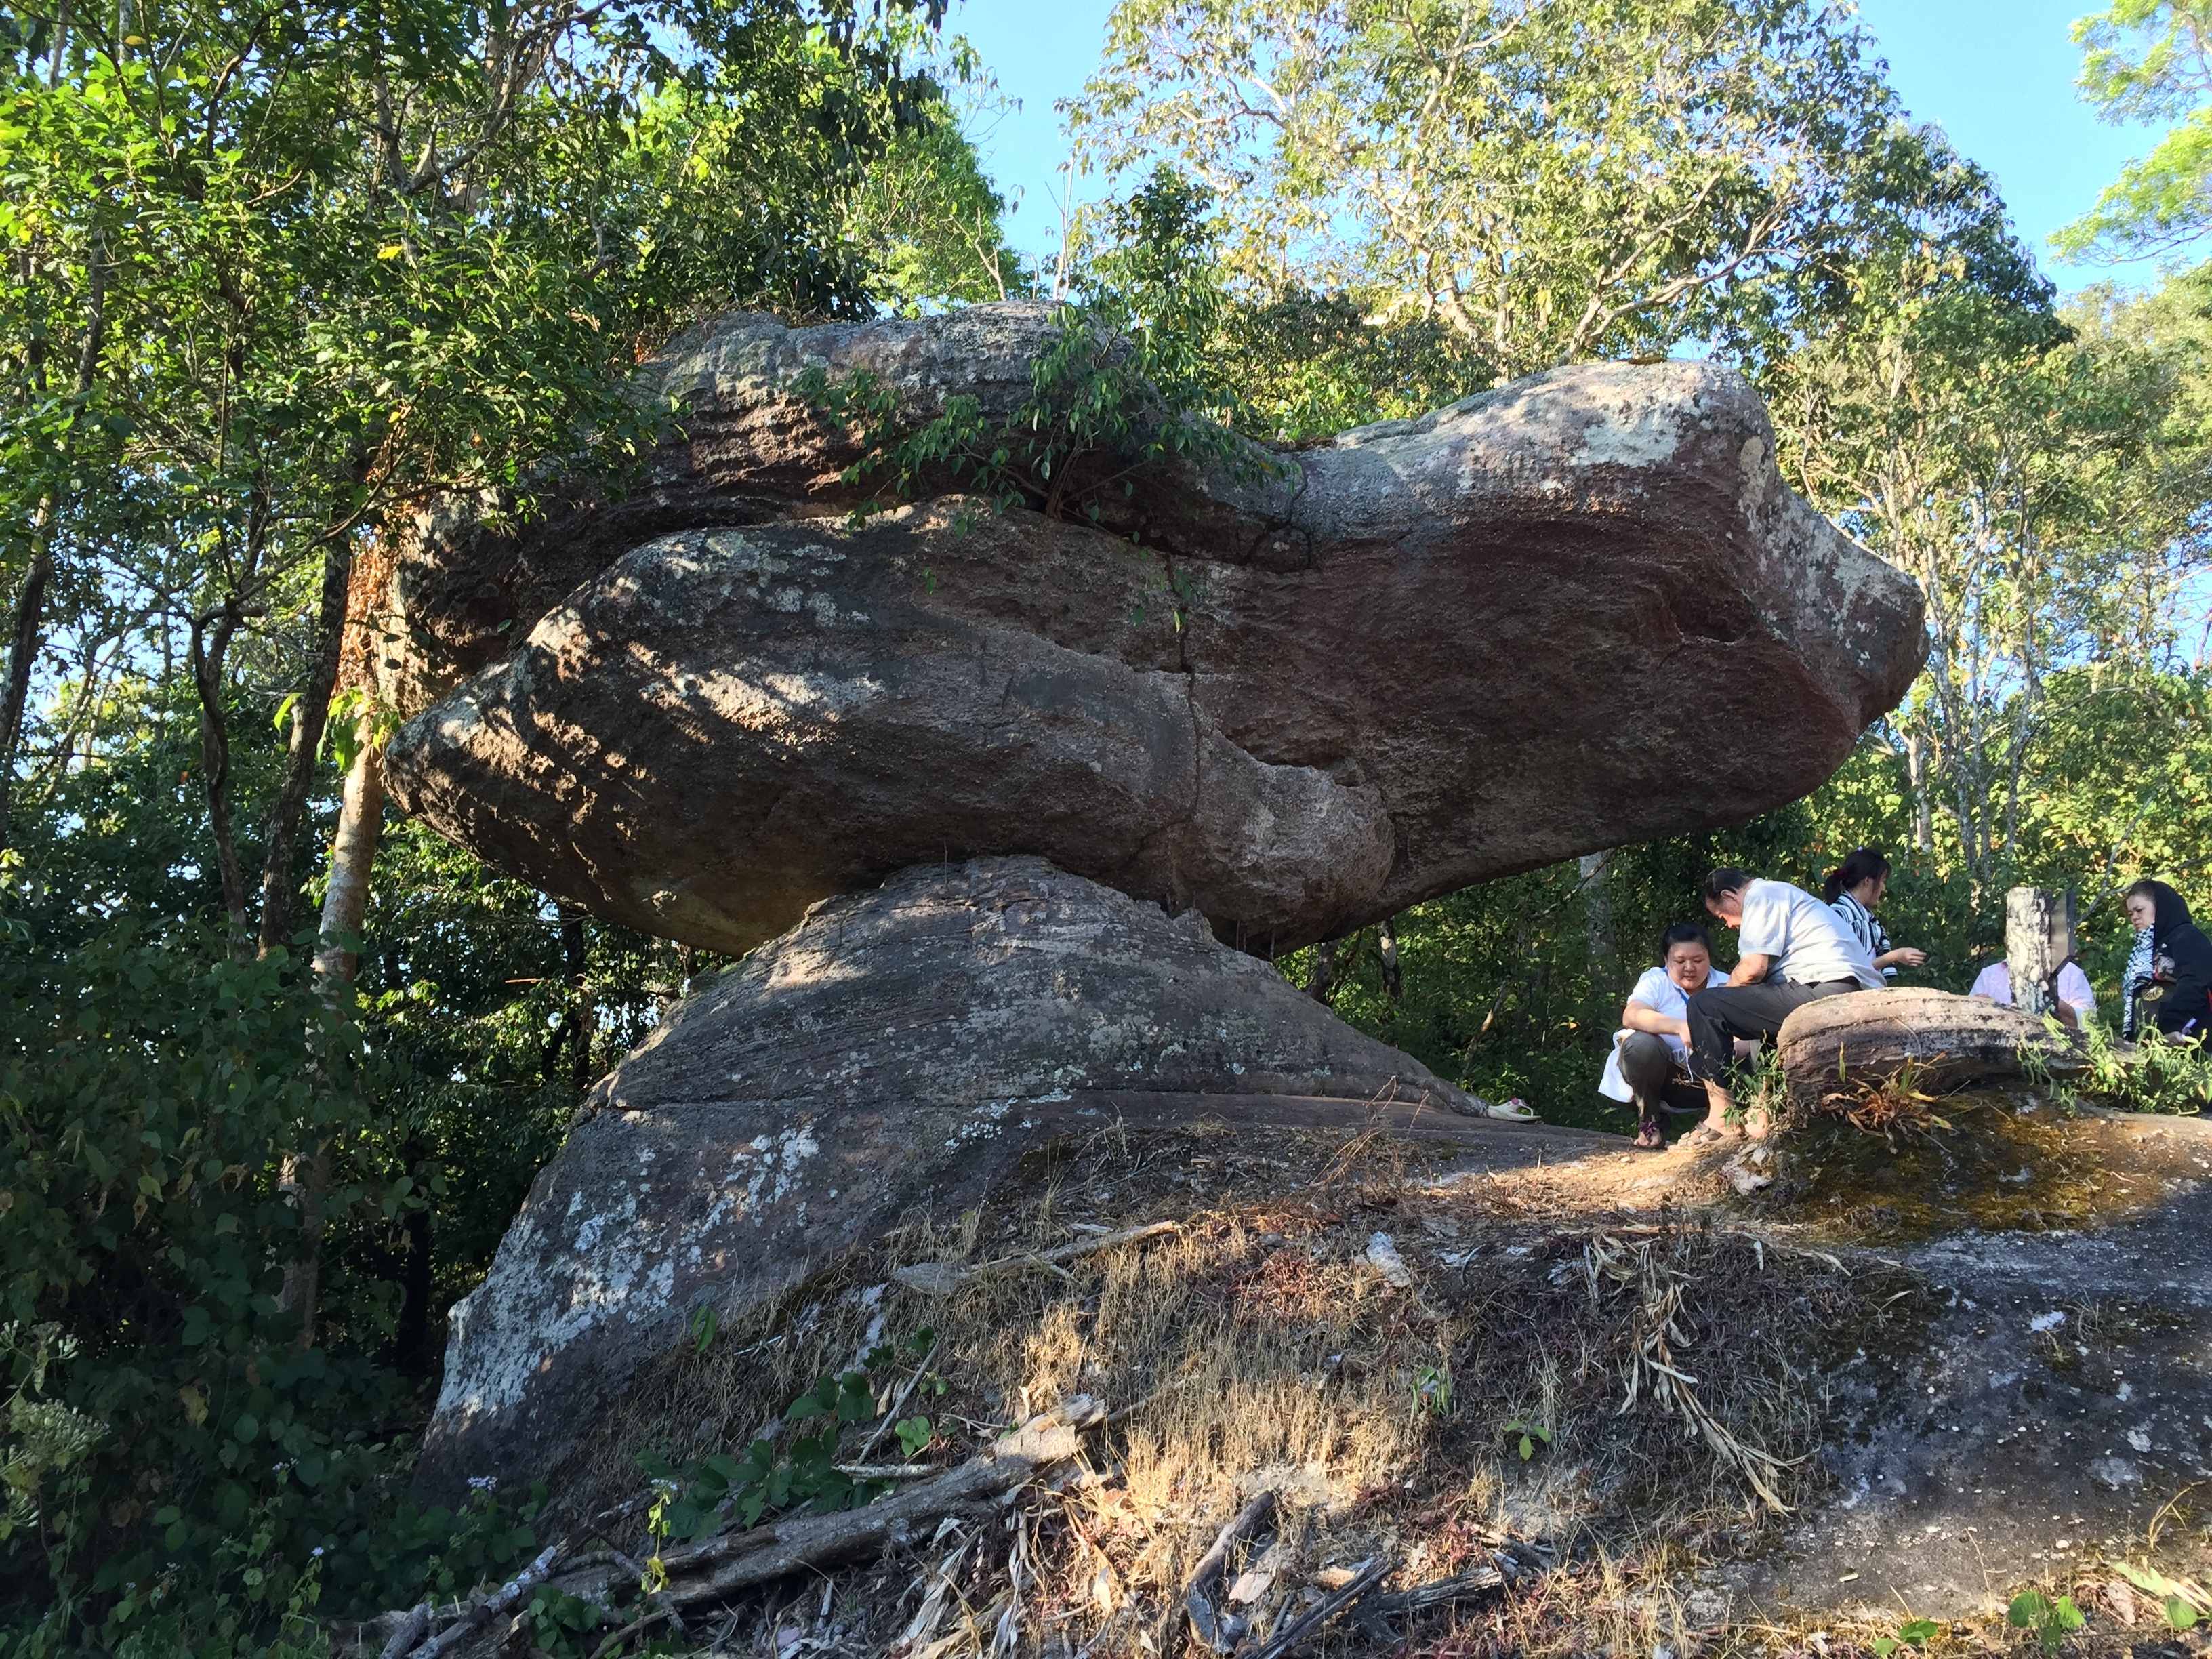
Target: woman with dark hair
{"points": [[1649, 1065], [1852, 889], [2168, 980]]}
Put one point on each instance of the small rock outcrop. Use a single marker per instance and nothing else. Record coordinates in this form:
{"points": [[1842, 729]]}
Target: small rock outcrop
{"points": [[900, 1048], [1421, 655], [1935, 1038]]}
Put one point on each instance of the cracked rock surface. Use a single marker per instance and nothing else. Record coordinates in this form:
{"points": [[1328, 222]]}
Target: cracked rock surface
{"points": [[1426, 653], [900, 1048]]}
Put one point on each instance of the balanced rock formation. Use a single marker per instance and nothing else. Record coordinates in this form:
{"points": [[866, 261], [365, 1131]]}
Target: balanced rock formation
{"points": [[898, 1048], [1935, 1039], [1579, 611]]}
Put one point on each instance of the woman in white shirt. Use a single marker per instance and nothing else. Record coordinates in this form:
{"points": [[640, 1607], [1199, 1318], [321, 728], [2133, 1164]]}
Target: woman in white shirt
{"points": [[2076, 1001], [1651, 1059], [1852, 889]]}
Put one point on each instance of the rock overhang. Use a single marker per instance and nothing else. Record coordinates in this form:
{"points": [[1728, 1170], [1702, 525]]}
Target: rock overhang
{"points": [[1423, 655]]}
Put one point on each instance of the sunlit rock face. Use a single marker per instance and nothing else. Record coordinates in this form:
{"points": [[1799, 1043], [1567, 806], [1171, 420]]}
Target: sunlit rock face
{"points": [[899, 1049], [1575, 613]]}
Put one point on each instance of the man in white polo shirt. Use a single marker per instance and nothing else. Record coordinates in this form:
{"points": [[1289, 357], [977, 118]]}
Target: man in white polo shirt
{"points": [[1790, 950]]}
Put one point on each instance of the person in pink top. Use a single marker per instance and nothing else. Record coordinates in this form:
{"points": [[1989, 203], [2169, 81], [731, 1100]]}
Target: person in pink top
{"points": [[2076, 1001]]}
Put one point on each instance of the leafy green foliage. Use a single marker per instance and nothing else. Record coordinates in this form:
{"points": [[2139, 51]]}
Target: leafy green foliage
{"points": [[2146, 60], [1551, 183], [147, 1091], [2182, 1602], [690, 1503], [2050, 1620], [1912, 1633], [2159, 1074], [1530, 1433], [1122, 387]]}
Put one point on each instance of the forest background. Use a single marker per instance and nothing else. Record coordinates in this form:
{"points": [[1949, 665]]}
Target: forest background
{"points": [[281, 273]]}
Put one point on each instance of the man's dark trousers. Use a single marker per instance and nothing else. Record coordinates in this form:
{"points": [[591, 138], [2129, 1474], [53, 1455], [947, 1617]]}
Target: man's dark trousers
{"points": [[1719, 1016]]}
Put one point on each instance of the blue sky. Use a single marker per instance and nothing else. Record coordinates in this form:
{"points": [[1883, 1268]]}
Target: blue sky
{"points": [[1996, 75]]}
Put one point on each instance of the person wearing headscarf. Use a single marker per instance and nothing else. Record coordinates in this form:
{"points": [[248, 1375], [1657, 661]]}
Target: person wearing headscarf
{"points": [[1852, 889], [2168, 983]]}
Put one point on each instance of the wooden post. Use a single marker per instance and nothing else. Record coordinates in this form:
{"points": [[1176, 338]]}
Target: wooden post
{"points": [[2038, 938]]}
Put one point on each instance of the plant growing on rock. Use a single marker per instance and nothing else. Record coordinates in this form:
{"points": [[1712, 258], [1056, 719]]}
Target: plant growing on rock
{"points": [[2050, 1620], [1127, 383]]}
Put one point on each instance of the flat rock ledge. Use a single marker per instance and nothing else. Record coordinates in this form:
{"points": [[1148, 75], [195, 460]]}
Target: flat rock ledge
{"points": [[899, 1050]]}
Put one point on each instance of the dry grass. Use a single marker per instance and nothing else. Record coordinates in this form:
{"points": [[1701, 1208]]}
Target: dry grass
{"points": [[1675, 1365]]}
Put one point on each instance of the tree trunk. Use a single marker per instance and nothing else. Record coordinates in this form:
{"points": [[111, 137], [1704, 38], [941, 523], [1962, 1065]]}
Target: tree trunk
{"points": [[411, 1347], [23, 649], [353, 856], [28, 634], [573, 958], [309, 715], [2039, 939], [1596, 870], [302, 1179], [1323, 984], [210, 644], [1923, 810], [1394, 982]]}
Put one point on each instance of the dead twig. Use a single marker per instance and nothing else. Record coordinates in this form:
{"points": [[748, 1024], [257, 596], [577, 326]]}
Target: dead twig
{"points": [[1397, 1604], [1219, 1631], [500, 1601], [722, 1567], [411, 1631], [1295, 1633], [943, 1278]]}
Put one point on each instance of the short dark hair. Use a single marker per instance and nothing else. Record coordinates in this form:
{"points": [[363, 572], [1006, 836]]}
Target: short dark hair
{"points": [[1724, 881], [1684, 933]]}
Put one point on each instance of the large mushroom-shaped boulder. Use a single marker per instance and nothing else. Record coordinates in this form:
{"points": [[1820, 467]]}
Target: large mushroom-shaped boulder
{"points": [[900, 1048], [1577, 611]]}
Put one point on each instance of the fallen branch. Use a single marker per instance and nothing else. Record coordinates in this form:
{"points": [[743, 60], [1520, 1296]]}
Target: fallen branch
{"points": [[1295, 1633], [891, 1414], [943, 1278], [637, 1626], [722, 1567], [411, 1631], [1397, 1604], [500, 1601], [1217, 1632]]}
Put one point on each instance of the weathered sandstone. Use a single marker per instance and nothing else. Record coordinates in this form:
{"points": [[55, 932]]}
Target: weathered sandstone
{"points": [[898, 1048], [1574, 612]]}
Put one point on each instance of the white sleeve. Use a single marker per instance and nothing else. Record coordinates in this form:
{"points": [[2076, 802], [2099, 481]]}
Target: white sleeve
{"points": [[2073, 987], [1995, 982], [1764, 929]]}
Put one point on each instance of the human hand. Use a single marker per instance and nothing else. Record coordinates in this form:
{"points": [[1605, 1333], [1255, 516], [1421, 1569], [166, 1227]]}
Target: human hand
{"points": [[1907, 955]]}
